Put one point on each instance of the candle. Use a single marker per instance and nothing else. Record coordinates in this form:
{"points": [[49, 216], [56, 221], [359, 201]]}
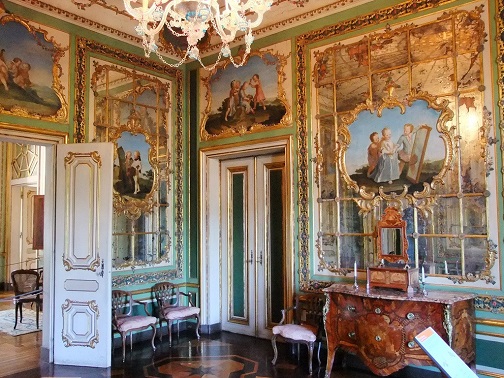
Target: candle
{"points": [[445, 267], [423, 275], [367, 275], [355, 269]]}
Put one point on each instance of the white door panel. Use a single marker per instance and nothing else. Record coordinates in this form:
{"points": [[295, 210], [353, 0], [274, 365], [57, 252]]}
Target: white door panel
{"points": [[82, 272]]}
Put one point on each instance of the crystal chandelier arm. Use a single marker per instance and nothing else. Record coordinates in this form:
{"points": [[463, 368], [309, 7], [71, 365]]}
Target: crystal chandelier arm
{"points": [[192, 18], [146, 15], [158, 22], [136, 13], [259, 7]]}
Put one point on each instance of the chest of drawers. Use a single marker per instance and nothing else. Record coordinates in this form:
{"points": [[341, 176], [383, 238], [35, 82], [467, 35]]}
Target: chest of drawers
{"points": [[379, 325]]}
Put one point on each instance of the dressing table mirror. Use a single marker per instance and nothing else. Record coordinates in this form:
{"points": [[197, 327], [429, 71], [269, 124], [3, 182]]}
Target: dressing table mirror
{"points": [[392, 252]]}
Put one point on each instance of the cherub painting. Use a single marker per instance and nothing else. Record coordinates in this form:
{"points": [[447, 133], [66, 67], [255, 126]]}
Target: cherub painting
{"points": [[27, 77], [400, 151], [247, 98]]}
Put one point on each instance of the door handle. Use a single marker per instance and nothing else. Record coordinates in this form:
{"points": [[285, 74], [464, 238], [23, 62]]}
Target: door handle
{"points": [[260, 258], [102, 267], [251, 257]]}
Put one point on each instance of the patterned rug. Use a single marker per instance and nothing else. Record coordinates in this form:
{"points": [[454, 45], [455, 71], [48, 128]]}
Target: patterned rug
{"points": [[29, 325]]}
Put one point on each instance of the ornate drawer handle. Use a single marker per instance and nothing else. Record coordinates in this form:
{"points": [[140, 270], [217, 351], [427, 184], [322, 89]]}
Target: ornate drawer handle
{"points": [[411, 344], [350, 308], [377, 310], [351, 335], [410, 316], [377, 338]]}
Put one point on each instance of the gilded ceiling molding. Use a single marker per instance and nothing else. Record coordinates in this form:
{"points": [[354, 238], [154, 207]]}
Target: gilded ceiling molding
{"points": [[103, 3], [302, 51], [315, 13], [72, 16]]}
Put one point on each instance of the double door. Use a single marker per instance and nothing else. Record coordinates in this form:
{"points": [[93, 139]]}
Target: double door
{"points": [[253, 243]]}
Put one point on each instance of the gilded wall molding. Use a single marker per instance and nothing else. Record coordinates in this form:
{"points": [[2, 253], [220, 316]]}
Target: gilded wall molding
{"points": [[85, 47]]}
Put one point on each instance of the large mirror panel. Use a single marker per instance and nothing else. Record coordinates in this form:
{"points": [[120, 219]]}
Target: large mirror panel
{"points": [[400, 123]]}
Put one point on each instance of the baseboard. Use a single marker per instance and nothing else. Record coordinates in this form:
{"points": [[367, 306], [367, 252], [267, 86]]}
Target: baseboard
{"points": [[208, 329], [44, 354]]}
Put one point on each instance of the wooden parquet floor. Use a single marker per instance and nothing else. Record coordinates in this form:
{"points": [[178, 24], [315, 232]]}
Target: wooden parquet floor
{"points": [[224, 355]]}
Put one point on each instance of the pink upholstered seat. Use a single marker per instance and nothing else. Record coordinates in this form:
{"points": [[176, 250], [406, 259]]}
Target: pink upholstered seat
{"points": [[124, 322], [295, 332], [170, 308], [306, 328], [181, 312]]}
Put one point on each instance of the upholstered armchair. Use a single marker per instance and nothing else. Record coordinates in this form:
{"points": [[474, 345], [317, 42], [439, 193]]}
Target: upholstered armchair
{"points": [[27, 289], [174, 305], [306, 327], [124, 322]]}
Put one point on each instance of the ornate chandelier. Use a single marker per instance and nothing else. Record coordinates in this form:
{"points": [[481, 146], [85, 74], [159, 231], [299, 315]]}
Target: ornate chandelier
{"points": [[191, 19]]}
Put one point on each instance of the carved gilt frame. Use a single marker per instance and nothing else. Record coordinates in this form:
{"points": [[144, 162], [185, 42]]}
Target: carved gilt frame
{"points": [[84, 49], [423, 199], [57, 71]]}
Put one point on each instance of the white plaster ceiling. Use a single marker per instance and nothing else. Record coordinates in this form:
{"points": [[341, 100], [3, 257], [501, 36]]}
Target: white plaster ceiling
{"points": [[109, 17]]}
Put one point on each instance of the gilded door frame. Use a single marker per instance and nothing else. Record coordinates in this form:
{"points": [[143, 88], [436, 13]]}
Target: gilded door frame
{"points": [[209, 240]]}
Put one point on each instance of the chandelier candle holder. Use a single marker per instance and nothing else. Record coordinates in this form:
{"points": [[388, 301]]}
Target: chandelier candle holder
{"points": [[191, 19]]}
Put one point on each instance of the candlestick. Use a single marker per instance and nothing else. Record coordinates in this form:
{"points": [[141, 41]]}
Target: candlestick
{"points": [[356, 286], [422, 282], [367, 280]]}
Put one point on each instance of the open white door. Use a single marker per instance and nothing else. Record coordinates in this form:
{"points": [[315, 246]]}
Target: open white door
{"points": [[82, 271]]}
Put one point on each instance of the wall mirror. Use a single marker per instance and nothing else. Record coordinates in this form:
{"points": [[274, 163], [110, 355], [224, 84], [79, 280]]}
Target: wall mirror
{"points": [[392, 244], [137, 105], [446, 191]]}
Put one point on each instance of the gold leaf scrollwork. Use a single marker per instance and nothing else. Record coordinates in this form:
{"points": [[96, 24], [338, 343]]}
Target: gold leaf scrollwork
{"points": [[318, 160]]}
